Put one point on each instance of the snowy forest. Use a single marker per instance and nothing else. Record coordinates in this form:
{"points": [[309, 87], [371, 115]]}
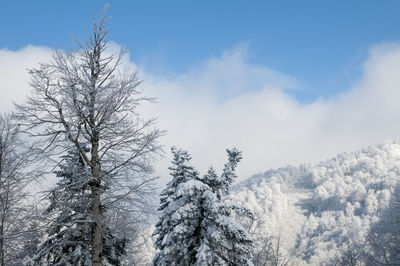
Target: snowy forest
{"points": [[80, 128]]}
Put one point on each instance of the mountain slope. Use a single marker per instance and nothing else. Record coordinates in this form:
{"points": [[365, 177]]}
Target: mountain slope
{"points": [[323, 213]]}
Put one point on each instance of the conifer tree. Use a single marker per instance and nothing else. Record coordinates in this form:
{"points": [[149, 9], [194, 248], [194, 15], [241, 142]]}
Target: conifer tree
{"points": [[67, 240], [228, 175], [213, 181], [198, 225], [31, 242], [180, 219], [223, 240]]}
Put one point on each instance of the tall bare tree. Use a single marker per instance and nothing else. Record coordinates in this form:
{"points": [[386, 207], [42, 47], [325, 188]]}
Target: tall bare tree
{"points": [[15, 174], [84, 99]]}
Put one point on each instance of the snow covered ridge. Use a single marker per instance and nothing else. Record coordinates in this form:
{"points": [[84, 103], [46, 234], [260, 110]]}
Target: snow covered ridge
{"points": [[328, 213]]}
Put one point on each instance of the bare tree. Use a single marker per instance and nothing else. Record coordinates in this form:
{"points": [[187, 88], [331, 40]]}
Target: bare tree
{"points": [[268, 249], [15, 174], [84, 99], [350, 256]]}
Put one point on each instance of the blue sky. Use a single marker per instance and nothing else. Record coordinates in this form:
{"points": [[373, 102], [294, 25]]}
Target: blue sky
{"points": [[321, 43], [287, 82]]}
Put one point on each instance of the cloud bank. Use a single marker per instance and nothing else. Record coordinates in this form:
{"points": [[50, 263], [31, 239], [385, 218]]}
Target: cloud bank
{"points": [[227, 101]]}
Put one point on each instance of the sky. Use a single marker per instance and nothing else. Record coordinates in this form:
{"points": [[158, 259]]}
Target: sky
{"points": [[285, 81]]}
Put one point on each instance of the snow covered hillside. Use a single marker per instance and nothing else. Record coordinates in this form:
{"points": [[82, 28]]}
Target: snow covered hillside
{"points": [[312, 215], [324, 214]]}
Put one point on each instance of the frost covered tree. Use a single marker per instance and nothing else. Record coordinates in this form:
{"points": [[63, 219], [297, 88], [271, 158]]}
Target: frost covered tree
{"points": [[67, 240], [197, 225], [31, 240], [384, 235], [15, 174], [85, 98], [223, 240], [268, 251], [212, 180], [178, 225], [268, 247]]}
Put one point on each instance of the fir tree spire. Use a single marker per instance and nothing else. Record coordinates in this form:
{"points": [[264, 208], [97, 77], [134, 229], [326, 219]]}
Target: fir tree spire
{"points": [[228, 175]]}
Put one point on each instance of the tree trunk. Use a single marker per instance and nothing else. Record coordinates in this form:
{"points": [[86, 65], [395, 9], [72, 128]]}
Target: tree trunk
{"points": [[96, 204], [96, 229]]}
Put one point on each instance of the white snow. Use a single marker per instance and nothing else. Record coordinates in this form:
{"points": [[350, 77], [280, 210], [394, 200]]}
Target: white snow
{"points": [[320, 210]]}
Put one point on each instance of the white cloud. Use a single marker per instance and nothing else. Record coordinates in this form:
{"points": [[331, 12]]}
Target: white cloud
{"points": [[14, 75], [228, 102]]}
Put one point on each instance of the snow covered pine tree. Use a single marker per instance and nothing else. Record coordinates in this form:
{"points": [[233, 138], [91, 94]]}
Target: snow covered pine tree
{"points": [[87, 98], [67, 239], [223, 240], [176, 229], [197, 226]]}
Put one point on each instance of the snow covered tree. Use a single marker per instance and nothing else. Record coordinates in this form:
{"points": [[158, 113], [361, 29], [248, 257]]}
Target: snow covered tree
{"points": [[197, 225], [213, 182], [15, 160], [268, 250], [67, 240], [384, 236], [228, 175], [86, 98], [178, 225], [31, 240], [223, 240]]}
